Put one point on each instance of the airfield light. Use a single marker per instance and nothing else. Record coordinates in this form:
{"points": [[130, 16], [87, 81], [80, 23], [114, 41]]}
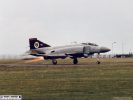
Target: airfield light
{"points": [[113, 48]]}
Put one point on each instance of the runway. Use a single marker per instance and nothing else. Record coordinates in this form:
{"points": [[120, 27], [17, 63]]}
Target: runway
{"points": [[44, 65], [67, 65]]}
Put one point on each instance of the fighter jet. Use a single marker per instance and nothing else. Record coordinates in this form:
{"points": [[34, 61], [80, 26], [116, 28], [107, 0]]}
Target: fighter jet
{"points": [[74, 51]]}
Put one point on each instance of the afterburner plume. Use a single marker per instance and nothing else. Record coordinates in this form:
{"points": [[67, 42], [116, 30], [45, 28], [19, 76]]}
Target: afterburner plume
{"points": [[34, 60]]}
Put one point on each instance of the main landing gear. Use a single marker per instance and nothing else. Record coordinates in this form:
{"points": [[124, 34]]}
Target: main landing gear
{"points": [[75, 61], [54, 61]]}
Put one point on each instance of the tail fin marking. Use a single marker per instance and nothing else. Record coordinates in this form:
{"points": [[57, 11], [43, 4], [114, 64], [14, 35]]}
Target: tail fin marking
{"points": [[34, 43]]}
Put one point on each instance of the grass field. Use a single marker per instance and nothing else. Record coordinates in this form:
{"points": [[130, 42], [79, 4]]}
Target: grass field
{"points": [[113, 78]]}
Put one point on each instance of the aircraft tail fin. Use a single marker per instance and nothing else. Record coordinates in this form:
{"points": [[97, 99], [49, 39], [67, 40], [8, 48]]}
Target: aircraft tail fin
{"points": [[35, 43]]}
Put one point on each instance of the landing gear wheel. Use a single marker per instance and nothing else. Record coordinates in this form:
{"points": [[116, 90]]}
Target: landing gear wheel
{"points": [[54, 62], [98, 62], [75, 61]]}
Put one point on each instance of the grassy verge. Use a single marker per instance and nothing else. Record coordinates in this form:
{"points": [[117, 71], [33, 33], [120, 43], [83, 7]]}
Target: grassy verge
{"points": [[97, 82]]}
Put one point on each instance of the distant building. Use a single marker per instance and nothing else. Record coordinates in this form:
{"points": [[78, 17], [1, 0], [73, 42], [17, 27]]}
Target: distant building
{"points": [[123, 55]]}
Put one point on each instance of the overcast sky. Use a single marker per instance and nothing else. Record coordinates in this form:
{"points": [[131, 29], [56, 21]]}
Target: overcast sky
{"points": [[60, 22]]}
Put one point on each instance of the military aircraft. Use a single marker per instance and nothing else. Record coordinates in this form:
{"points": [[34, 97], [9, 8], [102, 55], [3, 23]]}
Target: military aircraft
{"points": [[38, 48]]}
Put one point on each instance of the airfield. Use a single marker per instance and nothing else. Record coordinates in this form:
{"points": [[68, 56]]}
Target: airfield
{"points": [[41, 80]]}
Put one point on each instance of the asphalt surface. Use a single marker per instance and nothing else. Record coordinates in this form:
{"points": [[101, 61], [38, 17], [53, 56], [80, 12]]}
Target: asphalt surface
{"points": [[66, 65], [43, 65]]}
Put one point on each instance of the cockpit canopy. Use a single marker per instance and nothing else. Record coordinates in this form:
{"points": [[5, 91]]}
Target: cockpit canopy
{"points": [[92, 44]]}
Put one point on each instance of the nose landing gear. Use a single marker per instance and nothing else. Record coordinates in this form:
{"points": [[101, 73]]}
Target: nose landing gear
{"points": [[98, 59]]}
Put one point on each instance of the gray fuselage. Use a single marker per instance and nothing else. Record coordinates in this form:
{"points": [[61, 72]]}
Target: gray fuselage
{"points": [[77, 50]]}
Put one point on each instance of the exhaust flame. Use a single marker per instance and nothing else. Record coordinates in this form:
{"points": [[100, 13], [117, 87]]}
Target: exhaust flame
{"points": [[35, 60]]}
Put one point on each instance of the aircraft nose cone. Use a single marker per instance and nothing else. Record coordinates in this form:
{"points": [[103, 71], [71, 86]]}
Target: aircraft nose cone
{"points": [[104, 49]]}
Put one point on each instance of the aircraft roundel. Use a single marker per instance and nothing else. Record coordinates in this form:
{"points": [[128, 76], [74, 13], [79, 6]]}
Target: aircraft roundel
{"points": [[36, 45]]}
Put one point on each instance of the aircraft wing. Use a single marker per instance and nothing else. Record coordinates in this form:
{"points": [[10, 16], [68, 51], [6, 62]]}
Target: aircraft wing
{"points": [[49, 56]]}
